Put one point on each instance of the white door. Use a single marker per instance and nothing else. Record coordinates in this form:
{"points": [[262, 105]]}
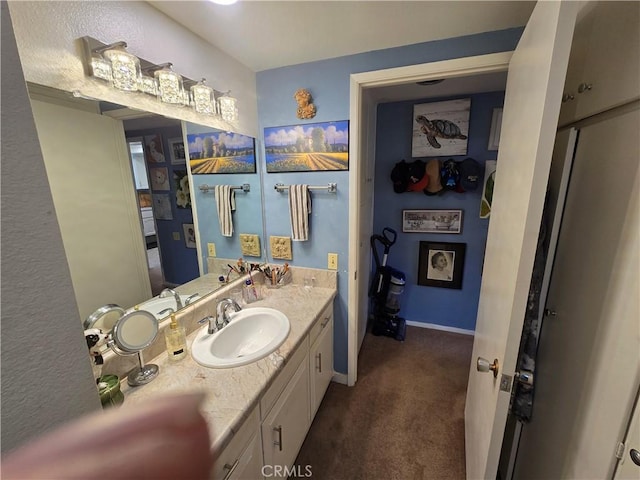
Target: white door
{"points": [[532, 104]]}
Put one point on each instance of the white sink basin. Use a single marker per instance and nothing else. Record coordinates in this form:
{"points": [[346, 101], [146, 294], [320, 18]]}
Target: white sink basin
{"points": [[157, 304], [252, 334]]}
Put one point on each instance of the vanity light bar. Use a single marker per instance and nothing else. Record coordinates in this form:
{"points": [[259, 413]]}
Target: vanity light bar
{"points": [[98, 66], [245, 187], [331, 187]]}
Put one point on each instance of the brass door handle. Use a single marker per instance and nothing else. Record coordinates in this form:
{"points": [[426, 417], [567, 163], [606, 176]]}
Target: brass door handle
{"points": [[483, 365]]}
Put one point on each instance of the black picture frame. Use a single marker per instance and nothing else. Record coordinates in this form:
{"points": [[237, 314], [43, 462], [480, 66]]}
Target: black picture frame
{"points": [[441, 264]]}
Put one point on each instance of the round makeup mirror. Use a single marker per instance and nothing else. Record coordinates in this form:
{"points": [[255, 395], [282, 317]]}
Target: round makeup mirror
{"points": [[104, 318], [132, 333]]}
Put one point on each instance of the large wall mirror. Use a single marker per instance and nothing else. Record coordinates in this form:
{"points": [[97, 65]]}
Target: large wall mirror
{"points": [[133, 219]]}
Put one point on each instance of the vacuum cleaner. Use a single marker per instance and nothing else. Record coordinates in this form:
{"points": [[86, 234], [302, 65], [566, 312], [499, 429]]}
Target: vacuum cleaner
{"points": [[386, 288]]}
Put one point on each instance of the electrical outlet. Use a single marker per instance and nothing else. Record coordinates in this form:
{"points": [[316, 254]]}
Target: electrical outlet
{"points": [[176, 235], [332, 263], [211, 249]]}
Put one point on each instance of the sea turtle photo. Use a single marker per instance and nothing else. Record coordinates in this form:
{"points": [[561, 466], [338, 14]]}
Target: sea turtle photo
{"points": [[438, 128]]}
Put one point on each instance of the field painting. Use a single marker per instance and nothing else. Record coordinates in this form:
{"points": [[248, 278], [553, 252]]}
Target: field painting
{"points": [[309, 147], [221, 152]]}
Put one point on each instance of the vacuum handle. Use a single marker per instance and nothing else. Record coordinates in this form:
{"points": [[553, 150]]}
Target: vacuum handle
{"points": [[390, 231]]}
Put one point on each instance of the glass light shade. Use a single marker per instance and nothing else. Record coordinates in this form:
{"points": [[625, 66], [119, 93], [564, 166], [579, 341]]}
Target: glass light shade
{"points": [[125, 69], [148, 85], [170, 87], [101, 68], [203, 99], [228, 108]]}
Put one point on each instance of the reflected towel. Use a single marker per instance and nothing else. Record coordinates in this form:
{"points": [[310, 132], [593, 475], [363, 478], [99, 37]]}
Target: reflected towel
{"points": [[299, 208], [226, 203]]}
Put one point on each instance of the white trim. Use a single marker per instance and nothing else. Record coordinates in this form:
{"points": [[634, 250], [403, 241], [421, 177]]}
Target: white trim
{"points": [[340, 378], [459, 67], [444, 328]]}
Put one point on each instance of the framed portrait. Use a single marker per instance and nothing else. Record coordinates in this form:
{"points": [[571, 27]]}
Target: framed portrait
{"points": [[432, 221], [221, 152], [441, 264], [189, 235], [441, 128], [176, 151], [154, 152], [162, 207], [159, 178], [312, 147]]}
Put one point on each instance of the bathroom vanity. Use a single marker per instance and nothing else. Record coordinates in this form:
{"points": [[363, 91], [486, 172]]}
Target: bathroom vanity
{"points": [[259, 414]]}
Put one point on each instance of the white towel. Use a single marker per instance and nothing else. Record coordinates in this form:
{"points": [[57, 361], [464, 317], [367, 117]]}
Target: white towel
{"points": [[226, 203], [299, 208]]}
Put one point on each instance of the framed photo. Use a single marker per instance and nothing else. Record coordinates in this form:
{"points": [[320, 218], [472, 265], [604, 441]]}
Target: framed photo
{"points": [[496, 125], [441, 128], [311, 147], [432, 221], [159, 178], [154, 151], [176, 151], [221, 152], [183, 194], [441, 264], [487, 188], [162, 207], [189, 235]]}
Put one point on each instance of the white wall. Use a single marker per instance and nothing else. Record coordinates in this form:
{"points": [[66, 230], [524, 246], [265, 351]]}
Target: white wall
{"points": [[47, 35], [46, 374]]}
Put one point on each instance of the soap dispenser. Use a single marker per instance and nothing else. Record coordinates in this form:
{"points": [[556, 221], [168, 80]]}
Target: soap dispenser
{"points": [[176, 340]]}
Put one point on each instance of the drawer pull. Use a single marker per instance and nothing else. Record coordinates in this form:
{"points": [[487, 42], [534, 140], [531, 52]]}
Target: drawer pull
{"points": [[231, 469], [279, 442], [326, 321]]}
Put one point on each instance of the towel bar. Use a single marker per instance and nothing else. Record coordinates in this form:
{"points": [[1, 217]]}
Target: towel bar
{"points": [[245, 187], [331, 187]]}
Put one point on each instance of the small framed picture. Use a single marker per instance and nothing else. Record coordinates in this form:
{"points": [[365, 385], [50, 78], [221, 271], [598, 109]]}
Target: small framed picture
{"points": [[189, 235], [432, 221], [153, 149], [162, 206], [496, 126], [159, 178], [441, 264], [176, 151]]}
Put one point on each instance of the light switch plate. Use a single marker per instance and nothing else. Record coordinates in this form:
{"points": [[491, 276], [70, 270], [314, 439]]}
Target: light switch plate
{"points": [[176, 235], [211, 249], [250, 245], [281, 247], [332, 261]]}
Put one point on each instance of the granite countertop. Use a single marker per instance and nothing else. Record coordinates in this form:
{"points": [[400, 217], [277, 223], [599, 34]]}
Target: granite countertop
{"points": [[232, 393]]}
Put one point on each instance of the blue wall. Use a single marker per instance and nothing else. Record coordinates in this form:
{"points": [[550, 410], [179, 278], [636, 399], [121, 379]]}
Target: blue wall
{"points": [[247, 217], [179, 263], [442, 306], [328, 81]]}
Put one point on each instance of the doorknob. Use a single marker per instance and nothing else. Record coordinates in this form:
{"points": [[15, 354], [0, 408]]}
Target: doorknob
{"points": [[635, 456], [483, 365], [550, 313]]}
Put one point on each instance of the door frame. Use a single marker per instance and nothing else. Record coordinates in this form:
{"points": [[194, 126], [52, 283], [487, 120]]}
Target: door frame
{"points": [[459, 67]]}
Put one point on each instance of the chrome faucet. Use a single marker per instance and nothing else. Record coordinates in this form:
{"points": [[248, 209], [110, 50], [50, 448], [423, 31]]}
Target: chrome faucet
{"points": [[221, 310], [167, 292], [190, 299], [213, 325]]}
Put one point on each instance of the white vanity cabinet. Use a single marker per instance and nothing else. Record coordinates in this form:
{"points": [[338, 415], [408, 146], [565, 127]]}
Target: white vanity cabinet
{"points": [[286, 426], [320, 359], [604, 62], [242, 457]]}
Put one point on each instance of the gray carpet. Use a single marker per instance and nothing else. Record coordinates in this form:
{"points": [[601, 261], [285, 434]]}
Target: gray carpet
{"points": [[404, 419]]}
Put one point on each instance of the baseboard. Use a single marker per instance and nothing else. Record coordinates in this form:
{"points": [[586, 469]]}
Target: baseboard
{"points": [[339, 378], [435, 326]]}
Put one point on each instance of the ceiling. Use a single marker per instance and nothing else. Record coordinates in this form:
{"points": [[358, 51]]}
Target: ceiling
{"points": [[269, 34]]}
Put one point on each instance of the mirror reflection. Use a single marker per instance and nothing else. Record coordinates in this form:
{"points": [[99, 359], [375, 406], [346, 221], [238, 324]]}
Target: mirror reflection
{"points": [[121, 189]]}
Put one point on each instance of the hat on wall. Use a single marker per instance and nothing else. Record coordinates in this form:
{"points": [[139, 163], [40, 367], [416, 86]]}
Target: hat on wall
{"points": [[449, 174], [470, 172], [400, 176], [433, 171], [418, 178]]}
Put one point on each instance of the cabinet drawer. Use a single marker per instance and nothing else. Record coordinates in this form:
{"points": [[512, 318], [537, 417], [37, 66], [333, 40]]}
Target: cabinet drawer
{"points": [[282, 379], [234, 449], [321, 323]]}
